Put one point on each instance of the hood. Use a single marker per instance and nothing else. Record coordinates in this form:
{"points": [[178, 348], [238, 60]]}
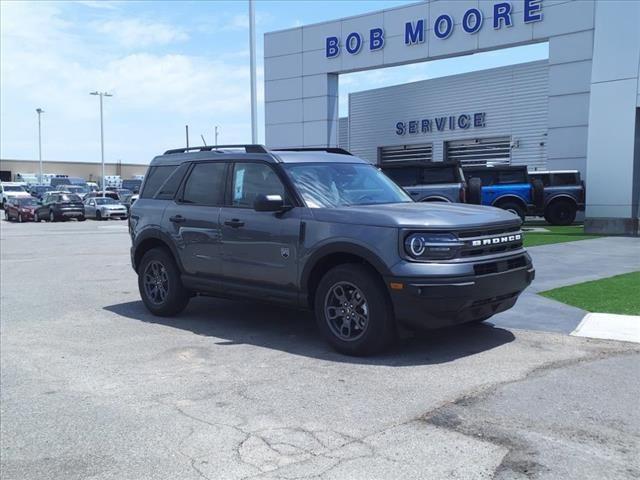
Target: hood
{"points": [[437, 215]]}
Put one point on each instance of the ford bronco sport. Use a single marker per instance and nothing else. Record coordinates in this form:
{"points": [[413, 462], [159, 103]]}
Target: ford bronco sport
{"points": [[324, 230]]}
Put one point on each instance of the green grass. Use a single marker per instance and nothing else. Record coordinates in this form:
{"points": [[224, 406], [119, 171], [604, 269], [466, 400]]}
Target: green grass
{"points": [[619, 294], [554, 234]]}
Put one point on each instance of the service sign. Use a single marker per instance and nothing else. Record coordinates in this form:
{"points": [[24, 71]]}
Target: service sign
{"points": [[443, 27], [462, 121]]}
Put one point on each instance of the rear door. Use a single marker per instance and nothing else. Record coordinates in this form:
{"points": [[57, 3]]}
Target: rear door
{"points": [[193, 218], [259, 249]]}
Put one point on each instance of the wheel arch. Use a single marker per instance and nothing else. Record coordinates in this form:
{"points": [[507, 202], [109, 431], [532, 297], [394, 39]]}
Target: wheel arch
{"points": [[331, 256], [436, 198], [561, 196], [151, 240], [509, 197]]}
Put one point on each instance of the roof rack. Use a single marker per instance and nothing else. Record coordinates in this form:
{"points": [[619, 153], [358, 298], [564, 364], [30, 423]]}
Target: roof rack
{"points": [[338, 150], [248, 148]]}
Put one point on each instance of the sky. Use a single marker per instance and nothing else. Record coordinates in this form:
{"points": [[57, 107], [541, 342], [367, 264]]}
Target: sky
{"points": [[168, 64]]}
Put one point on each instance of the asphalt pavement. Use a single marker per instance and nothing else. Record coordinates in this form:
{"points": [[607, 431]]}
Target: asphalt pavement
{"points": [[95, 387]]}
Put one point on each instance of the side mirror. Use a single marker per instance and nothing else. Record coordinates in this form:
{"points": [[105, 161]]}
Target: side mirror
{"points": [[268, 203]]}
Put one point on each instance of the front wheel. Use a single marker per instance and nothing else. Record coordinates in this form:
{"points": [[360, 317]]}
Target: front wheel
{"points": [[52, 216], [20, 220], [82, 218], [36, 218], [160, 285], [353, 310], [6, 216], [98, 215]]}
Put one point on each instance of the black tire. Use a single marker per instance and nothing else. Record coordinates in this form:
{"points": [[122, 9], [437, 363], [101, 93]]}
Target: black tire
{"points": [[560, 212], [36, 218], [20, 219], [513, 207], [474, 191], [538, 194], [176, 297], [379, 330], [98, 215], [7, 218], [52, 216], [82, 218]]}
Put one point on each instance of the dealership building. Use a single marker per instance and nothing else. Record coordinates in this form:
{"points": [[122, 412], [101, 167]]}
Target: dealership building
{"points": [[579, 109]]}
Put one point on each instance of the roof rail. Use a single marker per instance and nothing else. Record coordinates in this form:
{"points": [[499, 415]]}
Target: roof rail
{"points": [[338, 150], [248, 148]]}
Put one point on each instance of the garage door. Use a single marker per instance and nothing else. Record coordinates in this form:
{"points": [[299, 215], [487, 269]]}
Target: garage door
{"points": [[480, 151], [403, 153]]}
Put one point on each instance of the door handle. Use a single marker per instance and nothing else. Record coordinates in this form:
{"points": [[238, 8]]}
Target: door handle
{"points": [[177, 219], [234, 223]]}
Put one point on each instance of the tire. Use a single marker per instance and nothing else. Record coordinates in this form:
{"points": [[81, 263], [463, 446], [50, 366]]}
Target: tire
{"points": [[20, 220], [356, 282], [7, 218], [82, 218], [159, 263], [560, 212], [538, 194], [52, 216], [513, 207], [98, 215], [36, 218], [474, 191]]}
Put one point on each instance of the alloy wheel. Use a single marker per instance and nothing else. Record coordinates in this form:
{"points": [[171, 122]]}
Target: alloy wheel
{"points": [[156, 282], [346, 311]]}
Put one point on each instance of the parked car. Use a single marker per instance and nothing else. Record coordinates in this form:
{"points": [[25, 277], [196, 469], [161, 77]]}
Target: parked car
{"points": [[429, 182], [60, 206], [80, 190], [108, 194], [507, 187], [564, 195], [322, 230], [38, 191], [21, 209], [59, 180], [132, 184], [104, 208], [10, 190]]}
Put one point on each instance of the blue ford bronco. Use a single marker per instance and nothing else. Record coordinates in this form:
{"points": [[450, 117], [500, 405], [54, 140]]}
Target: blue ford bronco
{"points": [[322, 230]]}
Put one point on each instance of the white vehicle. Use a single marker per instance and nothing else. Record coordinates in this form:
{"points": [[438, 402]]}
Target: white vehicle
{"points": [[104, 208], [28, 178], [112, 181], [12, 190], [46, 178]]}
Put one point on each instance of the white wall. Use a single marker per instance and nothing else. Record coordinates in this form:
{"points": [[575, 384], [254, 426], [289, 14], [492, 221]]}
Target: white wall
{"points": [[514, 99]]}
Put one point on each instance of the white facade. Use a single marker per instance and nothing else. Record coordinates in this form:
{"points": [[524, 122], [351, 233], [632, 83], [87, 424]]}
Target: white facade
{"points": [[593, 89], [513, 101]]}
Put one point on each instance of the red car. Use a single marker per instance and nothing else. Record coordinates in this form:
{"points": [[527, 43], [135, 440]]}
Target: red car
{"points": [[21, 209]]}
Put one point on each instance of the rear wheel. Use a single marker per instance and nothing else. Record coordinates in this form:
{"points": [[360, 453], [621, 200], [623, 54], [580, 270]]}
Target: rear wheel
{"points": [[6, 216], [160, 285], [36, 218], [353, 310], [513, 207], [98, 215], [52, 216], [82, 218], [560, 212], [20, 220]]}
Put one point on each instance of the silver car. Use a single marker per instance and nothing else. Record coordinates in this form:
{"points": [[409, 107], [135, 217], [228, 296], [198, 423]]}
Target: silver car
{"points": [[104, 208]]}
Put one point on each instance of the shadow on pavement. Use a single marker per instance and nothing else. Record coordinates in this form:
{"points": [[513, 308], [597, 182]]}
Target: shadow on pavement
{"points": [[295, 332]]}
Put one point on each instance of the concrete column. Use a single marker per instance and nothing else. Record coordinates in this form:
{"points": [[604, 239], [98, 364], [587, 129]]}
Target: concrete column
{"points": [[612, 180]]}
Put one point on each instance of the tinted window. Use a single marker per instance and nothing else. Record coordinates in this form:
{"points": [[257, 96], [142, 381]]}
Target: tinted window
{"points": [[543, 177], [512, 176], [439, 175], [485, 176], [251, 180], [405, 177], [66, 197], [171, 186], [155, 178], [565, 179], [205, 185]]}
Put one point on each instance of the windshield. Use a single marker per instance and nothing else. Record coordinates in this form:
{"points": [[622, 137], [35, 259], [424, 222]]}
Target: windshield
{"points": [[105, 201], [76, 189], [27, 202], [326, 185], [13, 188], [43, 189]]}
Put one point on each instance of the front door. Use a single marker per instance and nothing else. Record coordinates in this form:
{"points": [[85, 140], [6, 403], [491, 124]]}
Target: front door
{"points": [[259, 249], [194, 219]]}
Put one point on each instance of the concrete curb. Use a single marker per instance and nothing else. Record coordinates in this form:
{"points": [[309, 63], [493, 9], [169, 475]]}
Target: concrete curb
{"points": [[608, 326]]}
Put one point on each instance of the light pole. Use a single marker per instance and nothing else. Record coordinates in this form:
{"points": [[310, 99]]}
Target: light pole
{"points": [[102, 94], [40, 111], [216, 135], [252, 67]]}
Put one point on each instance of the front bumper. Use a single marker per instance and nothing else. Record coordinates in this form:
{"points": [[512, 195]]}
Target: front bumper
{"points": [[434, 302], [114, 214]]}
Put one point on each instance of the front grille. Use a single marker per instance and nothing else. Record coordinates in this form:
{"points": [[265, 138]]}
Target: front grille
{"points": [[487, 232], [486, 301], [501, 235], [500, 266]]}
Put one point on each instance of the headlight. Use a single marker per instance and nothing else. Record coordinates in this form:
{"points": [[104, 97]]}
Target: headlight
{"points": [[432, 246]]}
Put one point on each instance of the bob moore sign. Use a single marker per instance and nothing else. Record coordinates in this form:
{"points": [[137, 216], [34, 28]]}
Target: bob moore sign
{"points": [[443, 27], [440, 124]]}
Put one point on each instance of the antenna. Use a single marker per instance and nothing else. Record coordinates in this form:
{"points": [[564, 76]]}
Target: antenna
{"points": [[204, 142]]}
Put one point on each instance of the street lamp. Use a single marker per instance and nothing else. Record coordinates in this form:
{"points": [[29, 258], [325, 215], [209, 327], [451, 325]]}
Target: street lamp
{"points": [[102, 94], [216, 135], [40, 111]]}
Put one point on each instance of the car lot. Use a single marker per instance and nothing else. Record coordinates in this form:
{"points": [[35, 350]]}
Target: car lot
{"points": [[94, 386]]}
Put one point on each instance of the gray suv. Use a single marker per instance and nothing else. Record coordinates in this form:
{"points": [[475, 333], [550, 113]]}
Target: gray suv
{"points": [[324, 230]]}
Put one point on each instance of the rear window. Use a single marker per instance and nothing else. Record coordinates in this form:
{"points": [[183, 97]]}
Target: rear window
{"points": [[545, 178], [65, 197], [155, 178], [439, 175], [512, 176], [560, 179], [486, 177]]}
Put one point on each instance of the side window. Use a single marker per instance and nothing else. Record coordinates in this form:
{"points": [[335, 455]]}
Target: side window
{"points": [[405, 177], [169, 188], [205, 185], [562, 179], [251, 180], [154, 179]]}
